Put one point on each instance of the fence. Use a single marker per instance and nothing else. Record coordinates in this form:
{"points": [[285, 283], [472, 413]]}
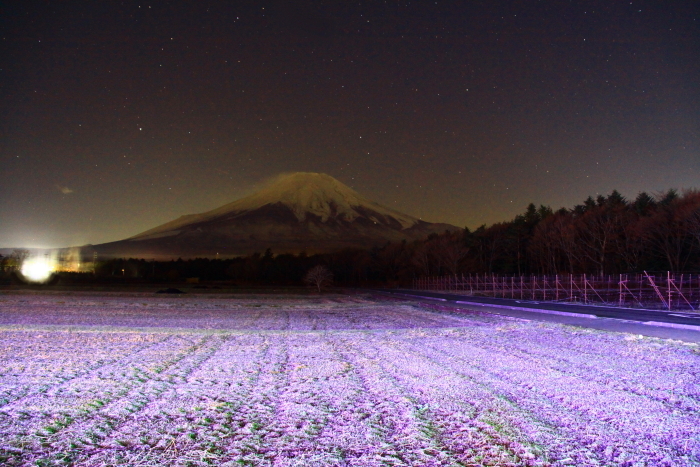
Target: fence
{"points": [[662, 291]]}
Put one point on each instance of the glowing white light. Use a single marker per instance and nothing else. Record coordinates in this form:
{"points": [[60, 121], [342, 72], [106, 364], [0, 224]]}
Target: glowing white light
{"points": [[37, 269]]}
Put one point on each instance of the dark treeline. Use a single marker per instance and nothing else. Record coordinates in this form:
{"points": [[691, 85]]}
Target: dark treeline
{"points": [[611, 235], [349, 267], [256, 268], [606, 235]]}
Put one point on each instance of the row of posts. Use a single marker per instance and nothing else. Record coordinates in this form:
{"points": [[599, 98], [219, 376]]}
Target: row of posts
{"points": [[644, 290]]}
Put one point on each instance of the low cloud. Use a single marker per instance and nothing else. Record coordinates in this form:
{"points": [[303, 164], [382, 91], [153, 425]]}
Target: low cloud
{"points": [[65, 190]]}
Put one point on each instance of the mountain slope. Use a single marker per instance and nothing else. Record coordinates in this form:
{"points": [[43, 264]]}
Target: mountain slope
{"points": [[297, 212]]}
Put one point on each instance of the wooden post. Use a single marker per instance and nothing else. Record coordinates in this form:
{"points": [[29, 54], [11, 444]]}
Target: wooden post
{"points": [[521, 287], [690, 285], [571, 286], [621, 297], [544, 288]]}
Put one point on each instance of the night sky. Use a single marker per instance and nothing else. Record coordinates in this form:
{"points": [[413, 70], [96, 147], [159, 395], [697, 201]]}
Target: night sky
{"points": [[119, 116]]}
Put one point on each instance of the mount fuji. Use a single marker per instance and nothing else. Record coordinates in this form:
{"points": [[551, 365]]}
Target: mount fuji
{"points": [[298, 212]]}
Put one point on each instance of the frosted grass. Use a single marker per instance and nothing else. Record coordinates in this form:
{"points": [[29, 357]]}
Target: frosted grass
{"points": [[212, 312], [330, 383]]}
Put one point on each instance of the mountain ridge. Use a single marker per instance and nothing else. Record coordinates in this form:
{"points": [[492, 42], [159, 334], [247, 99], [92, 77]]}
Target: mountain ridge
{"points": [[296, 212]]}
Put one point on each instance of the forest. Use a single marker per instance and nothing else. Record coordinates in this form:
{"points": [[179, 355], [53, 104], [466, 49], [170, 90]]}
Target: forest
{"points": [[605, 235]]}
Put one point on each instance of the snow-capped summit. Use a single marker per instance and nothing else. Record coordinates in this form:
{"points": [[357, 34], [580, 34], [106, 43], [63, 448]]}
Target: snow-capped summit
{"points": [[304, 194], [295, 212], [313, 193]]}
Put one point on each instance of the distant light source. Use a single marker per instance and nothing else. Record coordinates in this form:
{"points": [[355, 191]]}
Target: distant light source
{"points": [[37, 269]]}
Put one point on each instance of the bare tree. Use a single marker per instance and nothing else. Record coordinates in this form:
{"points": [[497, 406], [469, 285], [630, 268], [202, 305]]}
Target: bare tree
{"points": [[392, 259], [668, 231], [598, 232], [421, 259], [492, 243], [319, 276], [691, 214], [632, 244], [544, 244], [449, 249]]}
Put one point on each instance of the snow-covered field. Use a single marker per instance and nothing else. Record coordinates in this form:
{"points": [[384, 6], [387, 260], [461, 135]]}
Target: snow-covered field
{"points": [[331, 381]]}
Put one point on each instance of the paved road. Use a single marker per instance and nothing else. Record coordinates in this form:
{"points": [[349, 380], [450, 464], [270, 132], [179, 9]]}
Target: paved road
{"points": [[666, 324]]}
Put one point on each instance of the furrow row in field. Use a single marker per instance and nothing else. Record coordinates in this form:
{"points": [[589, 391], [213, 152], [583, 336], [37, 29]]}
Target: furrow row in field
{"points": [[336, 316], [606, 423], [398, 413], [95, 404], [316, 385], [327, 415], [481, 391], [592, 345], [258, 318], [672, 378], [307, 403], [608, 388], [521, 427], [41, 364], [215, 414], [464, 431]]}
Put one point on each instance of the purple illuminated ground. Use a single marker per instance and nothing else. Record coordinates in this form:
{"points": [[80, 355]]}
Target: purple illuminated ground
{"points": [[331, 381]]}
